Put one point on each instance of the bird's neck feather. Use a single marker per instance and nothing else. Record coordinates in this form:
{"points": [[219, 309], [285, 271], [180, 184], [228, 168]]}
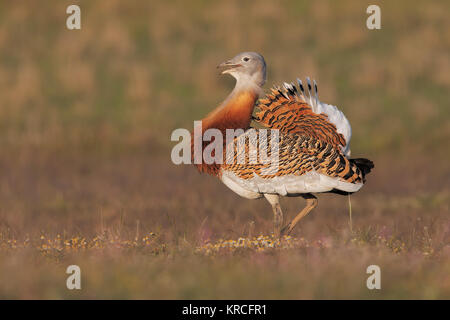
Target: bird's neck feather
{"points": [[234, 113]]}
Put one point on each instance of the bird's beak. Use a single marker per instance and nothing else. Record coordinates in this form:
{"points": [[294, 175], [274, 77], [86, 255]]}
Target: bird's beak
{"points": [[227, 66]]}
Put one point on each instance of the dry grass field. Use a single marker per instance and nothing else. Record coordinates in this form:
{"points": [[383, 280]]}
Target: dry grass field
{"points": [[86, 176]]}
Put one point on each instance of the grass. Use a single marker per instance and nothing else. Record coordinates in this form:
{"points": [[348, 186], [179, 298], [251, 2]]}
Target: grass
{"points": [[60, 210], [85, 124]]}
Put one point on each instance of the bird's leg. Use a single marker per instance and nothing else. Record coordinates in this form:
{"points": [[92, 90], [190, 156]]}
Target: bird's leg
{"points": [[274, 201], [311, 203]]}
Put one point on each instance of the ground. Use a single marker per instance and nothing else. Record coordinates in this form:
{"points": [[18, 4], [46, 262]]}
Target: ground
{"points": [[111, 216]]}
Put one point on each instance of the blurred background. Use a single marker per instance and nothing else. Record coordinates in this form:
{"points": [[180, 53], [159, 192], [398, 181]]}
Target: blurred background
{"points": [[86, 115]]}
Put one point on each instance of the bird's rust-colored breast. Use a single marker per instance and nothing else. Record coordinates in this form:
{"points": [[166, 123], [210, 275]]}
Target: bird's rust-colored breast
{"points": [[236, 113]]}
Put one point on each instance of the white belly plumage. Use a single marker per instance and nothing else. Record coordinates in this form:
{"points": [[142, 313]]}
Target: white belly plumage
{"points": [[310, 182]]}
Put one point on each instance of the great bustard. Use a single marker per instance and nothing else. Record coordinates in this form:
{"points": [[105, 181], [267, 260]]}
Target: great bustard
{"points": [[313, 141]]}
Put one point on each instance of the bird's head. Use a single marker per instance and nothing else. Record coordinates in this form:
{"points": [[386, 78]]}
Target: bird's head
{"points": [[249, 68]]}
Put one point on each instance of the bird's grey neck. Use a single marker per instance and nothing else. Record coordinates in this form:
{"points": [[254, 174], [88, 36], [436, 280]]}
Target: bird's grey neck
{"points": [[244, 84]]}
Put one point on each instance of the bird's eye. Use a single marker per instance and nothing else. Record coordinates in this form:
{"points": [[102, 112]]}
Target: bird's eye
{"points": [[246, 59]]}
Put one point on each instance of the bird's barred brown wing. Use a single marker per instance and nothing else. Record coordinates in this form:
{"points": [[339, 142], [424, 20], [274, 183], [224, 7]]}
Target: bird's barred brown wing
{"points": [[285, 109], [297, 155]]}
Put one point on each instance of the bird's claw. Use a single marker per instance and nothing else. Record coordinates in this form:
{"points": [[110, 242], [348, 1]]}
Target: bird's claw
{"points": [[286, 230]]}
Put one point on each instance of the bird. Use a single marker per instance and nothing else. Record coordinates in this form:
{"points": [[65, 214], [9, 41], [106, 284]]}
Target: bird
{"points": [[313, 142]]}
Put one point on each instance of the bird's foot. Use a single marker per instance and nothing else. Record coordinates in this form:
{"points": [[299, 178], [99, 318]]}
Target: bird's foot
{"points": [[286, 230]]}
